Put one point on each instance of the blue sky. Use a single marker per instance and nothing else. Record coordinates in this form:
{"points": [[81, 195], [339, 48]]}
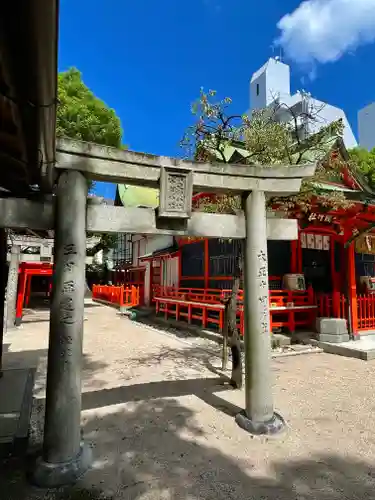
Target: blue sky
{"points": [[148, 59]]}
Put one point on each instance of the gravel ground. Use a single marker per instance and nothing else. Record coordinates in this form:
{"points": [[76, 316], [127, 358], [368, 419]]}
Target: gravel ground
{"points": [[197, 340], [161, 420]]}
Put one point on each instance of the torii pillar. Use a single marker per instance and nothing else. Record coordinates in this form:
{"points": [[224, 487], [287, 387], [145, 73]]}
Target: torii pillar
{"points": [[65, 456], [259, 416], [12, 284]]}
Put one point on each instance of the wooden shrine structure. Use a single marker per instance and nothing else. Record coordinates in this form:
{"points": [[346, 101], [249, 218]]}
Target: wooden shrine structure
{"points": [[334, 251]]}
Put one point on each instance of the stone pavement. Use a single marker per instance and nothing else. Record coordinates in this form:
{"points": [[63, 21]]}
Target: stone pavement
{"points": [[162, 422]]}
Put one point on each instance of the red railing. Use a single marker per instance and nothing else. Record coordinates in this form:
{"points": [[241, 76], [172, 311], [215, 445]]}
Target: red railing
{"points": [[366, 312], [208, 295], [138, 285], [288, 298], [121, 296], [332, 305], [288, 308], [278, 298]]}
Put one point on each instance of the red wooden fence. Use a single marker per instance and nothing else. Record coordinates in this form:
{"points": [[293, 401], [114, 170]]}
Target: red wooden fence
{"points": [[366, 312], [128, 297], [335, 306], [332, 305]]}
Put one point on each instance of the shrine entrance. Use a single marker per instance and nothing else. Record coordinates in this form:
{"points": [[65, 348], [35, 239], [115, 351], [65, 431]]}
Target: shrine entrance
{"points": [[65, 455], [316, 267]]}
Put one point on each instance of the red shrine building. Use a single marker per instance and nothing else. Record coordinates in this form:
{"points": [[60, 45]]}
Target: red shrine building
{"points": [[329, 271]]}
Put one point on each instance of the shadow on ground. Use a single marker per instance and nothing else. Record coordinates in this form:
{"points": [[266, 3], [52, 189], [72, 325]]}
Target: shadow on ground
{"points": [[38, 311], [149, 444], [177, 328], [38, 359], [182, 359], [154, 450]]}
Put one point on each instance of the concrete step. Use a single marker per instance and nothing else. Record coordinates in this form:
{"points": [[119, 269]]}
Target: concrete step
{"points": [[16, 397], [368, 334]]}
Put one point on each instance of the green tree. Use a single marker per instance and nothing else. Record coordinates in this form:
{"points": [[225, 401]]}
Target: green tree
{"points": [[364, 161], [262, 139], [83, 116]]}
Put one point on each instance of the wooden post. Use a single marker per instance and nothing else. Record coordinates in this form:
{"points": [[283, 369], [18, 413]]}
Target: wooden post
{"points": [[21, 294], [179, 267], [151, 296], [352, 290], [206, 264], [335, 277], [294, 256], [28, 290], [3, 282], [299, 254], [122, 296]]}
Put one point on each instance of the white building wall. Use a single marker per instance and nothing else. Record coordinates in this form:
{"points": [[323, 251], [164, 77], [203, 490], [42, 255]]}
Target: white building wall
{"points": [[135, 253], [158, 242], [323, 114], [142, 249], [328, 114], [169, 274], [273, 80], [366, 127], [147, 291], [144, 246], [137, 247]]}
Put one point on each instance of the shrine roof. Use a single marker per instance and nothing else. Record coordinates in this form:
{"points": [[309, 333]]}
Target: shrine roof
{"points": [[137, 196], [327, 186]]}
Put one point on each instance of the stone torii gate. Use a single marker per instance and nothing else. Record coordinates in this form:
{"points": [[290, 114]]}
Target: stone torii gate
{"points": [[65, 455]]}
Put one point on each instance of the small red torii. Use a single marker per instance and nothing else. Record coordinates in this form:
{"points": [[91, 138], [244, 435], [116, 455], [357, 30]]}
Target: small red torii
{"points": [[26, 271]]}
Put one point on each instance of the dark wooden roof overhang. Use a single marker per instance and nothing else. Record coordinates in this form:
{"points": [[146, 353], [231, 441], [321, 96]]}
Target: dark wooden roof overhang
{"points": [[28, 95]]}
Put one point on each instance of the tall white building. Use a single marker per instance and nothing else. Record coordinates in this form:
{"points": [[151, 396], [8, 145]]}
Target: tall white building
{"points": [[270, 86], [366, 127]]}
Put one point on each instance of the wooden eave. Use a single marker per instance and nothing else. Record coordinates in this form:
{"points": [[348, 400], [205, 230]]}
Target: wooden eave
{"points": [[28, 95]]}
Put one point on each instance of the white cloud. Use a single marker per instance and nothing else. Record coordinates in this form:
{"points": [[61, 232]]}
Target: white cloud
{"points": [[321, 31]]}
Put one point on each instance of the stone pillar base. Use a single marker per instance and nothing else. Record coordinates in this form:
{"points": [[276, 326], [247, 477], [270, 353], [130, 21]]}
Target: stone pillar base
{"points": [[274, 426], [55, 475]]}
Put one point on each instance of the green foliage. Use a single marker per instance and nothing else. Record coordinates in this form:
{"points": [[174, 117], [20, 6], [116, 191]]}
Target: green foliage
{"points": [[83, 116], [262, 139], [364, 161], [106, 242], [267, 141]]}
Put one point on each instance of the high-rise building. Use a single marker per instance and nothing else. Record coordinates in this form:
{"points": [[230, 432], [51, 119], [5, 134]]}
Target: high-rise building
{"points": [[270, 88], [366, 127]]}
